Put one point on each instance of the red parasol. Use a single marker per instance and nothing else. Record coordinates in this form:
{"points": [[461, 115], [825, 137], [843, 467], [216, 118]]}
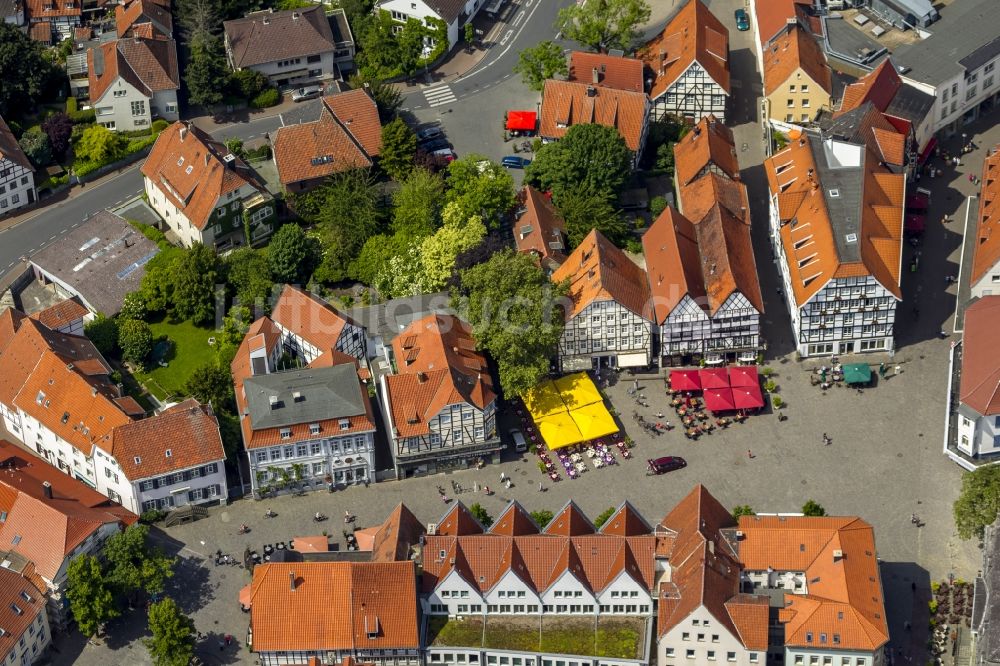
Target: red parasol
{"points": [[719, 400], [685, 380], [748, 397], [743, 375], [714, 378]]}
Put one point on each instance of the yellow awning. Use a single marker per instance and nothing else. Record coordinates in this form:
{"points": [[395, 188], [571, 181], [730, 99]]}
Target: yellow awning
{"points": [[543, 400], [559, 430], [578, 390], [594, 421]]}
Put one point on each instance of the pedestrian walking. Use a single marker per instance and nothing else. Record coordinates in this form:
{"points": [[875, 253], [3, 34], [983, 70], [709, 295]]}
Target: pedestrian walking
{"points": [[503, 477], [540, 486], [749, 454], [898, 370]]}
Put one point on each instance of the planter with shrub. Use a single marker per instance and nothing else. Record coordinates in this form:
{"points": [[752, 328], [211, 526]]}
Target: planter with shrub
{"points": [[269, 97]]}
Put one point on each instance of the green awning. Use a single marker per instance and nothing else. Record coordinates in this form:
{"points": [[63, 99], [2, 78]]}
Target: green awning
{"points": [[857, 373]]}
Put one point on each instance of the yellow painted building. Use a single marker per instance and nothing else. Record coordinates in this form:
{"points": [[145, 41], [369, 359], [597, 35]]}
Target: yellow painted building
{"points": [[797, 78]]}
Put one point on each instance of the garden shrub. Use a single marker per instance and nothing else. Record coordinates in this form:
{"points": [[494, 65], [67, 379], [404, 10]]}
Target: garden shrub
{"points": [[160, 125], [270, 97], [84, 117], [71, 105]]}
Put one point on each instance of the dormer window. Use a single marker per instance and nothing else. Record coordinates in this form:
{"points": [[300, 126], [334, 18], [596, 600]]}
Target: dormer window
{"points": [[286, 433], [180, 161], [26, 596], [344, 424], [16, 609], [168, 453], [314, 429], [137, 460]]}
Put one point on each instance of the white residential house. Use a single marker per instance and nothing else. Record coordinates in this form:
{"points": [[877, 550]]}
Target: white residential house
{"points": [[610, 323], [26, 633], [836, 219], [133, 81], [310, 327], [17, 175], [454, 13], [977, 431], [690, 65]]}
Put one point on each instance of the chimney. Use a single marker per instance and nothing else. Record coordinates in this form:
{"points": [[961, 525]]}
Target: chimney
{"points": [[295, 16], [266, 21], [596, 76], [421, 377], [660, 60], [291, 580], [591, 91], [47, 489], [183, 133]]}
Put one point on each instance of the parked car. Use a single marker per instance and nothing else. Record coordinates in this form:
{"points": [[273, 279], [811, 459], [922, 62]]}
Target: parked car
{"points": [[520, 444], [428, 133], [515, 162], [742, 20], [665, 464], [447, 154], [308, 92], [436, 144]]}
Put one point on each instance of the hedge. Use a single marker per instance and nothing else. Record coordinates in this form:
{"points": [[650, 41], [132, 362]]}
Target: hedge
{"points": [[83, 167], [85, 117], [270, 97], [262, 153], [160, 125], [71, 104], [150, 232]]}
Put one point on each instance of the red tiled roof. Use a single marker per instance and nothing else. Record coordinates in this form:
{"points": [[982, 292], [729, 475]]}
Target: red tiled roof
{"points": [[41, 32], [307, 316], [612, 71], [772, 16], [844, 591], [438, 365], [539, 227], [878, 87], [358, 113], [599, 271], [568, 103], [394, 539], [17, 592], [708, 146], [184, 436], [514, 521], [980, 386], [986, 253], [341, 606], [47, 9], [10, 149], [149, 65], [186, 165], [795, 49], [694, 34], [137, 12], [61, 314]]}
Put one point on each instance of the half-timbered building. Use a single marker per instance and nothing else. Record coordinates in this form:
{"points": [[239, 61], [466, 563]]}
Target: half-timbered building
{"points": [[17, 176]]}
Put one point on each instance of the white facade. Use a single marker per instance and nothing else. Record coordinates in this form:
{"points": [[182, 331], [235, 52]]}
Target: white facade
{"points": [[693, 95], [123, 107], [17, 186], [701, 640], [351, 341], [402, 10], [296, 72], [55, 450], [977, 435], [186, 229], [957, 99], [605, 334], [799, 656], [988, 284], [689, 329], [28, 648], [347, 459]]}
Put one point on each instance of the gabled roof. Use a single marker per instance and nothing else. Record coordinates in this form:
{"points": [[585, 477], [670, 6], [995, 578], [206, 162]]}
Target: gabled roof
{"points": [[458, 521], [878, 87], [20, 605], [795, 49], [346, 136], [268, 36], [137, 12], [570, 521], [183, 436], [986, 251], [625, 522], [709, 143], [863, 238], [309, 606], [866, 124], [10, 149], [694, 34], [612, 71], [61, 314], [540, 229], [844, 592], [599, 271], [39, 10], [568, 103], [438, 365], [307, 316], [448, 10], [394, 539], [148, 65], [773, 16], [980, 386], [187, 166], [514, 521]]}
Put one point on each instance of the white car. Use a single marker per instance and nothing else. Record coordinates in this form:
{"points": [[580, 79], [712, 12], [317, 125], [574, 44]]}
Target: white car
{"points": [[309, 92], [520, 444]]}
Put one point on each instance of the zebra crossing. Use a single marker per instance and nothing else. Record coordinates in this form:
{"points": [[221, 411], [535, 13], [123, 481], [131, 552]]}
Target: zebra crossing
{"points": [[439, 95]]}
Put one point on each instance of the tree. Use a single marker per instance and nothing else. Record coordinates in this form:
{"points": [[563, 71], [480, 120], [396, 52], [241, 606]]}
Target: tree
{"points": [[59, 128], [410, 45], [90, 598], [511, 305], [665, 157], [292, 255], [604, 24], [133, 565], [404, 274], [480, 514], [978, 502], [210, 383], [542, 517], [387, 97], [438, 252], [593, 158], [399, 145], [248, 272], [743, 510], [603, 516], [206, 73], [35, 145], [135, 339], [173, 638], [583, 211], [417, 204], [103, 332], [480, 187], [199, 19], [24, 70], [492, 244], [98, 144], [538, 63], [133, 306], [194, 280], [812, 508], [248, 83], [375, 255]]}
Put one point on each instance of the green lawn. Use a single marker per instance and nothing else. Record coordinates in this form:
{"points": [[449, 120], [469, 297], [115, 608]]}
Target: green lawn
{"points": [[188, 350], [620, 637]]}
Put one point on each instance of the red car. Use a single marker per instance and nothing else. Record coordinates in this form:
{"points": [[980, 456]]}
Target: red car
{"points": [[665, 464]]}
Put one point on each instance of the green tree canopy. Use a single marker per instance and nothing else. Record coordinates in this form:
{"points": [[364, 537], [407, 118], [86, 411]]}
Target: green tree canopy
{"points": [[36, 147], [133, 306], [417, 204], [375, 255], [292, 255], [172, 643], [199, 19], [481, 514], [812, 508], [399, 145], [195, 275], [603, 516], [248, 83], [542, 517], [583, 211], [98, 144], [387, 97], [481, 187], [248, 272], [135, 339], [24, 71], [604, 24], [90, 597], [543, 61], [512, 307], [457, 235], [743, 510], [133, 565], [210, 383], [978, 502], [591, 158], [206, 74], [103, 332], [59, 128]]}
